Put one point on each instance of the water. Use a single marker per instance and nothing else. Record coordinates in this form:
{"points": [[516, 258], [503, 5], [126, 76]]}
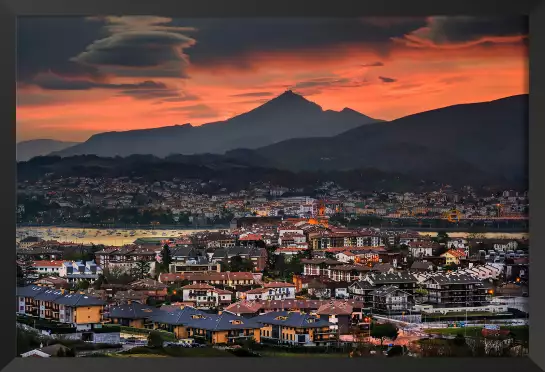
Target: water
{"points": [[113, 237], [119, 237]]}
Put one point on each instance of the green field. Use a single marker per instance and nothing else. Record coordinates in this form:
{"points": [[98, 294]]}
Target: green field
{"points": [[519, 332]]}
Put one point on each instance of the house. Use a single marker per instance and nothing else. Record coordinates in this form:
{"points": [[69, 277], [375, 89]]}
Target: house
{"points": [[247, 308], [77, 309], [338, 314], [228, 279], [206, 296], [194, 266], [52, 282], [131, 314], [348, 273], [294, 328], [422, 266], [126, 258], [421, 248], [319, 266], [328, 289], [273, 291], [74, 272], [47, 267], [48, 351], [258, 256], [401, 279], [453, 256], [223, 328], [29, 241], [390, 299], [361, 291], [151, 288]]}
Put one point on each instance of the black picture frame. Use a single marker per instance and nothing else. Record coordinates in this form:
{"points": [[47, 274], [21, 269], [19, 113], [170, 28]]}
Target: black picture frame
{"points": [[250, 8]]}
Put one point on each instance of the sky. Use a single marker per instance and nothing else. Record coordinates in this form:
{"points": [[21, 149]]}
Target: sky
{"points": [[77, 76]]}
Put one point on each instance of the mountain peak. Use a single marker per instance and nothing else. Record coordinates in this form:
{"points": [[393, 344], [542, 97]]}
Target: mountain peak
{"points": [[291, 99]]}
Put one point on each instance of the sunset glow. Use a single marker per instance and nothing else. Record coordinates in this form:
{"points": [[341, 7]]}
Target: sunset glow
{"points": [[144, 72]]}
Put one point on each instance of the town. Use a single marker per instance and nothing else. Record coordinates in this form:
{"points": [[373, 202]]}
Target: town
{"points": [[271, 285], [133, 202]]}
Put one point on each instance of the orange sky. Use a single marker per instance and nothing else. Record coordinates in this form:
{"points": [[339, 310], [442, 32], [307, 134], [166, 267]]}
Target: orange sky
{"points": [[415, 76]]}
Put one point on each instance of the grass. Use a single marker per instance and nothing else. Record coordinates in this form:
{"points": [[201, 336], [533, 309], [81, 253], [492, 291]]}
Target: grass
{"points": [[167, 336], [145, 351], [287, 354], [520, 332]]}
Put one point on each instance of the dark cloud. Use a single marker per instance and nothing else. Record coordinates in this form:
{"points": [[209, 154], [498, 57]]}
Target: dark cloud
{"points": [[254, 94], [255, 101], [54, 82], [387, 79], [374, 64], [315, 86], [442, 30], [47, 44], [140, 49], [37, 99], [233, 41]]}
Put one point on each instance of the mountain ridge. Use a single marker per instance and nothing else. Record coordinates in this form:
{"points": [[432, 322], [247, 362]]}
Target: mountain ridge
{"points": [[286, 116]]}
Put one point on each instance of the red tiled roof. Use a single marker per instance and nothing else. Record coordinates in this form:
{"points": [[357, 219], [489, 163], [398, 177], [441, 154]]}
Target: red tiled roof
{"points": [[46, 263]]}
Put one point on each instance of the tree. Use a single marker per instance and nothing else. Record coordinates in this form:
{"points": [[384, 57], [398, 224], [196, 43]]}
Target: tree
{"points": [[83, 284], [239, 264], [155, 339], [166, 258], [330, 255], [141, 269], [27, 270], [442, 237], [384, 331]]}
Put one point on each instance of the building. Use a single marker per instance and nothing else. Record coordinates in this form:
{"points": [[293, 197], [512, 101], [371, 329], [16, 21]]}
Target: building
{"points": [[453, 256], [29, 241], [340, 316], [361, 291], [258, 256], [318, 266], [421, 248], [402, 280], [188, 267], [52, 282], [455, 290], [224, 328], [328, 289], [294, 328], [206, 296], [48, 351], [228, 279], [81, 311], [47, 267], [125, 258], [390, 300], [74, 272], [151, 288], [131, 314]]}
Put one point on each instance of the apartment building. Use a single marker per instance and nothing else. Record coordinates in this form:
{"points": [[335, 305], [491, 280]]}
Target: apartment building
{"points": [[456, 290], [390, 300], [294, 328], [77, 309]]}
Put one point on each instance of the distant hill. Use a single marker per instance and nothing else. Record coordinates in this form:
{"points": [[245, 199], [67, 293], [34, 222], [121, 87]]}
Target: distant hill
{"points": [[39, 147], [224, 172], [284, 117], [479, 142]]}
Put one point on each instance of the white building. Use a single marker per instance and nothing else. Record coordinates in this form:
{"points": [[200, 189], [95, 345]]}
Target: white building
{"points": [[47, 267]]}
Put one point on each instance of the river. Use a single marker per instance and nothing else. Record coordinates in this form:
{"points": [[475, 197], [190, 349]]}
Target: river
{"points": [[120, 237]]}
